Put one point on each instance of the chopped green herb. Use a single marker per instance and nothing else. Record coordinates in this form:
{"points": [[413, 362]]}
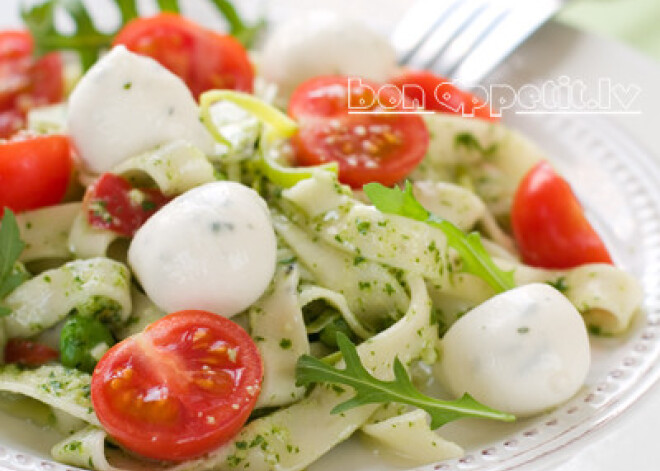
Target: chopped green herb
{"points": [[358, 259], [148, 205], [242, 445], [363, 226], [594, 329], [467, 140], [364, 285], [559, 284]]}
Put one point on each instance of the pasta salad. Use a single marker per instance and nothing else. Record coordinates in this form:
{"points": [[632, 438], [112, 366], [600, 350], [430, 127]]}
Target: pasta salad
{"points": [[210, 260]]}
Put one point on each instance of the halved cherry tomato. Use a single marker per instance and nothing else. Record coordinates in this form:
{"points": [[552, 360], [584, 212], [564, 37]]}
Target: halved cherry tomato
{"points": [[34, 171], [25, 82], [182, 388], [112, 203], [28, 353], [204, 59], [437, 93], [368, 147], [549, 224]]}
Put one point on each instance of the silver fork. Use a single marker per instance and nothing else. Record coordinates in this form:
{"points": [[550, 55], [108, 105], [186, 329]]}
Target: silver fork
{"points": [[465, 39]]}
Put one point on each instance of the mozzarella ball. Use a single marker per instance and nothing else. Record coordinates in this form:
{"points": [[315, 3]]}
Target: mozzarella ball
{"points": [[324, 43], [212, 248], [523, 351], [128, 104]]}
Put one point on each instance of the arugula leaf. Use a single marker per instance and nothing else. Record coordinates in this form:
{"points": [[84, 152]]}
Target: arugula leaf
{"points": [[169, 5], [237, 27], [89, 42], [128, 10], [370, 390], [11, 247], [472, 252]]}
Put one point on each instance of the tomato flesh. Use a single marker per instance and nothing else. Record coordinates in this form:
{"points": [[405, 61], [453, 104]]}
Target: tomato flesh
{"points": [[34, 171], [437, 93], [202, 58], [112, 203], [28, 353], [180, 389], [549, 224], [26, 82], [368, 147]]}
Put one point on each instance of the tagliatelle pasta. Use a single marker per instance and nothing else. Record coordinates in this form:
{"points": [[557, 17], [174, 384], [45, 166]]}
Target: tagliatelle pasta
{"points": [[96, 287]]}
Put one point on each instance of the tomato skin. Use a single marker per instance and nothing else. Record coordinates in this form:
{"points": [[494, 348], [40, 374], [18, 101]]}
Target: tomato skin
{"points": [[109, 204], [34, 171], [549, 224], [15, 44], [202, 58], [181, 388], [28, 353], [438, 94], [27, 82], [368, 147]]}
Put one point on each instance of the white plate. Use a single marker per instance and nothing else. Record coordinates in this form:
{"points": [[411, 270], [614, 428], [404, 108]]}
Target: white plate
{"points": [[619, 182]]}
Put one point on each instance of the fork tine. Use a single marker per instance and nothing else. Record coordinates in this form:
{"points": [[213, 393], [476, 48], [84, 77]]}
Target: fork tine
{"points": [[417, 23], [482, 24], [524, 19], [445, 31]]}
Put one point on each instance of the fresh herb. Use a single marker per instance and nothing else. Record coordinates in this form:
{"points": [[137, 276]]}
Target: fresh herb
{"points": [[148, 205], [89, 42], [246, 34], [467, 140], [370, 390], [11, 247], [78, 339], [472, 252], [559, 284]]}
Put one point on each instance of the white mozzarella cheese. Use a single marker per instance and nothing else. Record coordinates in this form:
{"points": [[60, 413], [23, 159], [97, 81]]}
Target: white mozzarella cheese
{"points": [[324, 43], [212, 248], [128, 104], [523, 351]]}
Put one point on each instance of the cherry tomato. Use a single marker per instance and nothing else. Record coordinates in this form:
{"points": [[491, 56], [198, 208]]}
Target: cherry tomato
{"points": [[181, 388], [368, 147], [436, 93], [34, 171], [26, 82], [112, 203], [549, 224], [204, 59], [28, 353]]}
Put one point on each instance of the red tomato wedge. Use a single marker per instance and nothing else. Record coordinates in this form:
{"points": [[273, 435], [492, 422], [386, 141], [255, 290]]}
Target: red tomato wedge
{"points": [[549, 224], [202, 58], [112, 203], [380, 148], [436, 93], [180, 389], [25, 82], [28, 353], [34, 171]]}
